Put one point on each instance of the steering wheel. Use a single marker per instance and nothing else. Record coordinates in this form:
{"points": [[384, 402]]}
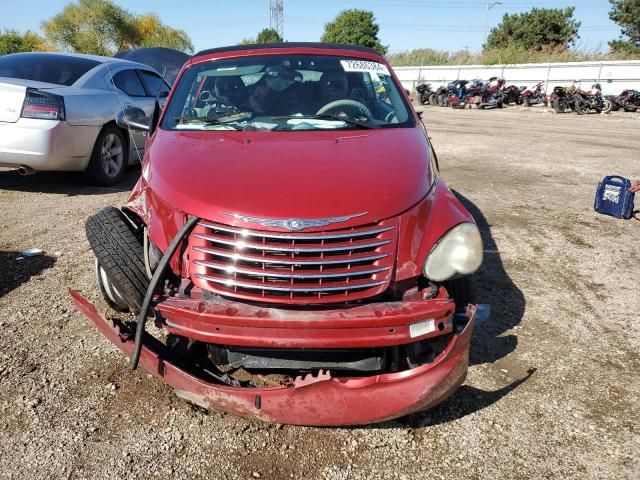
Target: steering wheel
{"points": [[391, 117], [351, 108]]}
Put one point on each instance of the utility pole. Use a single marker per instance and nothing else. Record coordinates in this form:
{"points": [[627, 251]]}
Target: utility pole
{"points": [[486, 18], [276, 20]]}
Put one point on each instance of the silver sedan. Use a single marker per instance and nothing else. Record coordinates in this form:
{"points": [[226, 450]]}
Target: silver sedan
{"points": [[57, 112]]}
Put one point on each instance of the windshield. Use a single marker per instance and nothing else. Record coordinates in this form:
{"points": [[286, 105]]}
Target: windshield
{"points": [[287, 92]]}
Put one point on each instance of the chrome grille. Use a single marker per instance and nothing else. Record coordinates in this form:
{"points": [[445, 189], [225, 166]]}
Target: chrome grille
{"points": [[318, 267]]}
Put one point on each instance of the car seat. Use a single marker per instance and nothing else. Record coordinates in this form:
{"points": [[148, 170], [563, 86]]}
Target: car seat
{"points": [[357, 89], [333, 86], [231, 89]]}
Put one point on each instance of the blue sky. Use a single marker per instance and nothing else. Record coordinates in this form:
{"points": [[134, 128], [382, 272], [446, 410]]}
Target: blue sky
{"points": [[404, 24]]}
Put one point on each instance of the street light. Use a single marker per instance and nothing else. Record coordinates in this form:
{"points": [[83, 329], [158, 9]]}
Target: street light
{"points": [[486, 17]]}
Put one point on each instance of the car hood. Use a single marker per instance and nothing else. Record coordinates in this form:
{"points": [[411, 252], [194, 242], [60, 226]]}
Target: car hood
{"points": [[281, 175]]}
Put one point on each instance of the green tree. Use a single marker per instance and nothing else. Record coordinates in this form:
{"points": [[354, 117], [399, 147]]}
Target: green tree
{"points": [[626, 13], [268, 35], [150, 32], [355, 27], [100, 27], [540, 29], [12, 41]]}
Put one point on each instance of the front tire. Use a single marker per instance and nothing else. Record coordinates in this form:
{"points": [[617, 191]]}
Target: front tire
{"points": [[108, 162], [557, 106], [120, 259]]}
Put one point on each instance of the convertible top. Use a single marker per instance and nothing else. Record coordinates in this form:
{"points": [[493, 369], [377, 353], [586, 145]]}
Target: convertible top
{"points": [[166, 61], [259, 46]]}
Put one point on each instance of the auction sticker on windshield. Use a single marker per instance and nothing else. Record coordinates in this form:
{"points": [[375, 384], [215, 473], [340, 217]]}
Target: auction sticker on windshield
{"points": [[364, 66]]}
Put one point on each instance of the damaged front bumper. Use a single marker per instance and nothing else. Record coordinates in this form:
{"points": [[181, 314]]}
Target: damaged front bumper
{"points": [[312, 400]]}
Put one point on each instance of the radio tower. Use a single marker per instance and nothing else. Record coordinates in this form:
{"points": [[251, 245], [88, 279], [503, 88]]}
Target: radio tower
{"points": [[277, 17]]}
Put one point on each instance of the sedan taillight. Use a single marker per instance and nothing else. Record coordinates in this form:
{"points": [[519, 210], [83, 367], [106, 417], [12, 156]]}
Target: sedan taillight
{"points": [[45, 106]]}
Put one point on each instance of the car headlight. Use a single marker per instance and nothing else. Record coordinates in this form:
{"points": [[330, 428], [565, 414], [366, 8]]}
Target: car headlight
{"points": [[458, 252]]}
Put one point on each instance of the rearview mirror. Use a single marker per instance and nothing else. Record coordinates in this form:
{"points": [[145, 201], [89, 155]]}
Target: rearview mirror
{"points": [[133, 118]]}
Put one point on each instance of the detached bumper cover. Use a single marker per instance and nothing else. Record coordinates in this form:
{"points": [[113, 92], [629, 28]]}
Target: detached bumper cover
{"points": [[312, 400]]}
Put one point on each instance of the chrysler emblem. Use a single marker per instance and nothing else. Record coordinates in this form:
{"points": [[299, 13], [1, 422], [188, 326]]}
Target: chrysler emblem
{"points": [[294, 224]]}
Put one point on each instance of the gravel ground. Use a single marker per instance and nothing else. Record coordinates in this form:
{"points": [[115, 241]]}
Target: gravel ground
{"points": [[551, 393]]}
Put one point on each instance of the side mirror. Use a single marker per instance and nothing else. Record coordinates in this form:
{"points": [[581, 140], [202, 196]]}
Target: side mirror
{"points": [[133, 118]]}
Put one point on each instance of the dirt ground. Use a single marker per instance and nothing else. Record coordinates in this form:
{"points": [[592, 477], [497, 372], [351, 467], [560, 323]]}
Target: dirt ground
{"points": [[552, 391]]}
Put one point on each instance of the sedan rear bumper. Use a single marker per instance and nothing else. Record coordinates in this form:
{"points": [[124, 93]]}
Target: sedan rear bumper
{"points": [[320, 400], [46, 145]]}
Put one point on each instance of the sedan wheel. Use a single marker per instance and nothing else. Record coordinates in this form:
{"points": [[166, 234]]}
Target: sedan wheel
{"points": [[109, 158], [112, 154]]}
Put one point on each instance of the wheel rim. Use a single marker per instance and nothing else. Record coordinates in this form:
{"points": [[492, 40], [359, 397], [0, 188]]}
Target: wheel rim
{"points": [[109, 291], [112, 155]]}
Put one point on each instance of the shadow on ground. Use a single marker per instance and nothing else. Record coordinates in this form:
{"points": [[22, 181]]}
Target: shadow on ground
{"points": [[14, 273], [492, 285], [67, 183], [465, 401]]}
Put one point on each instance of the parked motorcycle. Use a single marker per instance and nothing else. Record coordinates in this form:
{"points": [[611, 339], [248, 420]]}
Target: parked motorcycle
{"points": [[562, 98], [425, 93], [533, 96], [443, 92], [465, 92], [491, 94], [512, 94], [629, 100], [457, 93], [592, 100], [453, 94]]}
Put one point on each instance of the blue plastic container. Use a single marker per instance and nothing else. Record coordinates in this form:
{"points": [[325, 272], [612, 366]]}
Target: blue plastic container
{"points": [[614, 198]]}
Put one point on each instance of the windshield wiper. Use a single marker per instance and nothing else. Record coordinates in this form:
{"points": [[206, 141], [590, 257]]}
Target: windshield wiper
{"points": [[327, 116], [347, 120]]}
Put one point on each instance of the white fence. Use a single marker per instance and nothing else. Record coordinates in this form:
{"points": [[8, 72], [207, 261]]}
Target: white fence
{"points": [[614, 76]]}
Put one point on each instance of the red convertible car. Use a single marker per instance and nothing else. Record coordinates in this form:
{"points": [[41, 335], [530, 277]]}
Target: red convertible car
{"points": [[293, 241]]}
